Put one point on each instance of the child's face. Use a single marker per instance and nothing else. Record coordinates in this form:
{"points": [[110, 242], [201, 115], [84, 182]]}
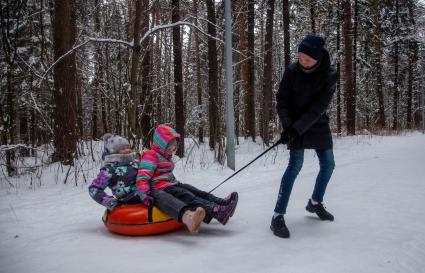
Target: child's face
{"points": [[125, 150], [171, 149]]}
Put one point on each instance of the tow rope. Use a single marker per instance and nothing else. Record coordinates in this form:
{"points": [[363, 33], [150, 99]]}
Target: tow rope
{"points": [[263, 153]]}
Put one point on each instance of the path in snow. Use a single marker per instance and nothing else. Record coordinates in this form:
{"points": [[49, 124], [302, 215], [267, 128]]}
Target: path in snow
{"points": [[376, 194]]}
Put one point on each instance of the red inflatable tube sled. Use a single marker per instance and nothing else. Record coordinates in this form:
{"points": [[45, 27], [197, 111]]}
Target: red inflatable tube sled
{"points": [[133, 220]]}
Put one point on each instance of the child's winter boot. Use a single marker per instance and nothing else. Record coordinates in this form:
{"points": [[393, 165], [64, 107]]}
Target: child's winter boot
{"points": [[223, 213], [193, 219], [231, 197]]}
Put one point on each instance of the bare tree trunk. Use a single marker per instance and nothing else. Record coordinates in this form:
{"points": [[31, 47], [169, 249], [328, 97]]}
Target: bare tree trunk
{"points": [[250, 91], [268, 74], [97, 75], [131, 4], [198, 76], [80, 125], [286, 37], [411, 65], [350, 97], [23, 129], [313, 15], [35, 130], [7, 103], [100, 70], [170, 89], [212, 75], [356, 15], [134, 89], [338, 87], [9, 121], [103, 108], [260, 96], [103, 102], [106, 103], [367, 84], [376, 10], [118, 120], [419, 99], [396, 68], [413, 59], [147, 97], [178, 77], [64, 114], [157, 64], [244, 65], [95, 134]]}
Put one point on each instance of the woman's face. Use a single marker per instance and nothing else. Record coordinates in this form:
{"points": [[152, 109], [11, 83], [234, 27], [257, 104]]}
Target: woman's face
{"points": [[306, 61]]}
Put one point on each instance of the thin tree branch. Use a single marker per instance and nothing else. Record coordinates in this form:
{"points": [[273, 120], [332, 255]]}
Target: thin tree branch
{"points": [[90, 39]]}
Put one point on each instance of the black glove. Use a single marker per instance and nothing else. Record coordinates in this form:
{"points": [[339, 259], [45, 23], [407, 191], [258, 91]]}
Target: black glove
{"points": [[288, 135]]}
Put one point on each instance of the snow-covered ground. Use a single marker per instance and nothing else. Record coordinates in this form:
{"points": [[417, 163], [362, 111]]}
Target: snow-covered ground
{"points": [[377, 194]]}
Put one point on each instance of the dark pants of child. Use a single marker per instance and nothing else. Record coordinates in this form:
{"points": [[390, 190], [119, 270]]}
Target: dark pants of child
{"points": [[166, 202], [194, 197]]}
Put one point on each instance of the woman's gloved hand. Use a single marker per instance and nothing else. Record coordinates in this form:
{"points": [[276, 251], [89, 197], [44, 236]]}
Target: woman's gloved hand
{"points": [[288, 135]]}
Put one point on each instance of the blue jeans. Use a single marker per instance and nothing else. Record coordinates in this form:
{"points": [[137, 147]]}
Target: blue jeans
{"points": [[296, 159]]}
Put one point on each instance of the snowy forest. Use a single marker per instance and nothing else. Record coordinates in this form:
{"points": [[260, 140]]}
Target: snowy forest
{"points": [[74, 70]]}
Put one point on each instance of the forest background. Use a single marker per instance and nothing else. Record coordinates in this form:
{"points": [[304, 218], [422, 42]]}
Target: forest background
{"points": [[74, 70]]}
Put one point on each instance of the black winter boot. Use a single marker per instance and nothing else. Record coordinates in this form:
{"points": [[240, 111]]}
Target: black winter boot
{"points": [[320, 210], [279, 228]]}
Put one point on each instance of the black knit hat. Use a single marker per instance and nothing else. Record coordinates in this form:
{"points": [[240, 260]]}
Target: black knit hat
{"points": [[312, 45]]}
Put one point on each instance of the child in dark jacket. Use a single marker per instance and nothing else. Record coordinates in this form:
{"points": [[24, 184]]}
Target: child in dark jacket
{"points": [[156, 171], [119, 174]]}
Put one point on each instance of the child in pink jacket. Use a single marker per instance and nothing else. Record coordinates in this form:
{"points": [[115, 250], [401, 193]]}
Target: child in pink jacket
{"points": [[156, 172]]}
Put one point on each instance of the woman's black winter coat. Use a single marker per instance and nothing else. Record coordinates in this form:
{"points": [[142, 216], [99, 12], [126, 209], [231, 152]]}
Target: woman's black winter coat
{"points": [[302, 101]]}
